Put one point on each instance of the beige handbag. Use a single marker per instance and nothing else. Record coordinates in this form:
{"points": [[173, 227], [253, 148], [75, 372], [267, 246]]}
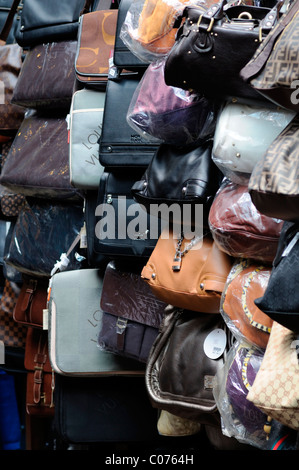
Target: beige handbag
{"points": [[275, 389]]}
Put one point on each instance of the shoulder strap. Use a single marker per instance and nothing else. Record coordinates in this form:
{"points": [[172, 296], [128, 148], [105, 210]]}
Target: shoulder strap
{"points": [[9, 21]]}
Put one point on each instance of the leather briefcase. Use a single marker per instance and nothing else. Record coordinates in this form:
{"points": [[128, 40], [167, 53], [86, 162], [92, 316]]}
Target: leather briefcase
{"points": [[31, 302], [120, 146]]}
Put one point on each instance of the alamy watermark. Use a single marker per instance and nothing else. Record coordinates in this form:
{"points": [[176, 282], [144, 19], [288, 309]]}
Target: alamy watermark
{"points": [[295, 94], [2, 352]]}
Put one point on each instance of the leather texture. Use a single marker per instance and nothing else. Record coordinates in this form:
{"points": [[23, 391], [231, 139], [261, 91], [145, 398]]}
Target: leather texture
{"points": [[40, 380], [239, 229], [12, 334], [85, 127], [31, 302], [96, 37], [175, 382], [205, 57], [73, 332], [132, 314], [119, 145], [47, 76], [198, 284], [38, 161]]}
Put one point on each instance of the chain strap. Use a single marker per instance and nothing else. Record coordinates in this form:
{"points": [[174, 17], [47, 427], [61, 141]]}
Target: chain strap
{"points": [[180, 253]]}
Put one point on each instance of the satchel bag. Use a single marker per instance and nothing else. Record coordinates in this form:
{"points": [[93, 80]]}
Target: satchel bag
{"points": [[276, 386], [31, 302], [176, 383], [213, 46], [176, 117], [273, 184], [47, 76], [243, 133], [74, 322], [246, 281], [189, 274], [85, 127], [272, 71], [280, 301], [38, 161], [12, 334], [40, 377], [239, 229], [184, 176], [132, 314], [96, 37], [118, 145]]}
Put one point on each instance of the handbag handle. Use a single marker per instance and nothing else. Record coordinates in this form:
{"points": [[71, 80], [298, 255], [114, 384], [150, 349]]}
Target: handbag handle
{"points": [[9, 21]]}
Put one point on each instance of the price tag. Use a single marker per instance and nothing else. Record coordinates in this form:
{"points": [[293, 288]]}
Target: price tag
{"points": [[215, 343]]}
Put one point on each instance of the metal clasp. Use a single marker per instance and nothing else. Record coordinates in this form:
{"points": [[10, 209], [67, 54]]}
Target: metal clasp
{"points": [[121, 325], [210, 25]]}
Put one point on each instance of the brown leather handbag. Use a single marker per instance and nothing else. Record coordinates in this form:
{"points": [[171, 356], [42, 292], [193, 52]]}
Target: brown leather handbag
{"points": [[31, 302], [189, 274], [40, 377]]}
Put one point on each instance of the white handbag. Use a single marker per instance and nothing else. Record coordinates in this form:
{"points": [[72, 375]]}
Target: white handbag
{"points": [[85, 127], [242, 135]]}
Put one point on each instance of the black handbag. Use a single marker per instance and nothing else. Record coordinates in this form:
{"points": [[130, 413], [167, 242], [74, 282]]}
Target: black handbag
{"points": [[119, 145], [121, 226], [43, 21], [213, 46], [281, 299], [186, 176]]}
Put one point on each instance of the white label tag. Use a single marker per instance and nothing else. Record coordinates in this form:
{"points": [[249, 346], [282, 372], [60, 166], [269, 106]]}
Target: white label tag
{"points": [[214, 344], [45, 319]]}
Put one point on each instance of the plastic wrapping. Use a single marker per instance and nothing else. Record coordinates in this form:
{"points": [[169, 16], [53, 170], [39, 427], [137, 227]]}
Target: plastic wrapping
{"points": [[149, 27], [246, 282], [240, 418], [173, 115], [43, 232], [242, 135], [239, 229]]}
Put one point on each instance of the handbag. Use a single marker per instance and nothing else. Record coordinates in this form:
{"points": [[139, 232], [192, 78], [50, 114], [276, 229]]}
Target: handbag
{"points": [[275, 388], [212, 47], [272, 71], [243, 133], [96, 37], [239, 229], [273, 184], [246, 281], [38, 161], [119, 147], [280, 300], [187, 273], [74, 322], [44, 22], [131, 318], [12, 334], [84, 128], [173, 381], [119, 226], [47, 76], [31, 302], [180, 177], [10, 202], [40, 377], [176, 117]]}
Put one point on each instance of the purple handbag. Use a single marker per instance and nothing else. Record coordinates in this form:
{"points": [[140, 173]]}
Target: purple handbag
{"points": [[173, 115], [131, 314]]}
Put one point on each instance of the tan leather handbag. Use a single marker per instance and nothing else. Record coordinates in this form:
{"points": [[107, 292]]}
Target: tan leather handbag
{"points": [[189, 274]]}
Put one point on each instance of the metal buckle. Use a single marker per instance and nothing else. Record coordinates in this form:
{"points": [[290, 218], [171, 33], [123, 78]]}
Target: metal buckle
{"points": [[210, 25], [121, 325]]}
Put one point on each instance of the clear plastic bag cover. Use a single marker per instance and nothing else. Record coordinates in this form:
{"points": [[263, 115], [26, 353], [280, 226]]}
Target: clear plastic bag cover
{"points": [[149, 27], [170, 114], [238, 228], [239, 417], [242, 135], [246, 282], [43, 232]]}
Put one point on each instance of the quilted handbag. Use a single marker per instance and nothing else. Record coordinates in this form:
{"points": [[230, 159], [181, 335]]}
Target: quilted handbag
{"points": [[175, 382], [273, 184], [131, 314], [246, 281], [187, 273], [280, 301], [239, 229], [275, 390], [272, 71], [212, 47]]}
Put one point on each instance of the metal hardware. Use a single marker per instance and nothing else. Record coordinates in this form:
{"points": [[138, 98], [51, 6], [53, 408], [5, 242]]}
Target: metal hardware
{"points": [[245, 14], [121, 325], [210, 25]]}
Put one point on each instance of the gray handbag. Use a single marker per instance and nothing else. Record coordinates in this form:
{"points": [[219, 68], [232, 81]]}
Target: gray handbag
{"points": [[74, 322], [85, 128]]}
